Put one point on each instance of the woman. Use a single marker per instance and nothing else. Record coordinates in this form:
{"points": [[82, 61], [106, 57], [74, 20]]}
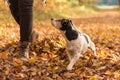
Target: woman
{"points": [[22, 11]]}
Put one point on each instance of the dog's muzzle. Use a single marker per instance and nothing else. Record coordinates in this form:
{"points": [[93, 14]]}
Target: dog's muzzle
{"points": [[53, 21]]}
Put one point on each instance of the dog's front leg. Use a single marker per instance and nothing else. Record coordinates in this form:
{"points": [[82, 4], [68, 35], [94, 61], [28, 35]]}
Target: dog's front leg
{"points": [[69, 56], [73, 60]]}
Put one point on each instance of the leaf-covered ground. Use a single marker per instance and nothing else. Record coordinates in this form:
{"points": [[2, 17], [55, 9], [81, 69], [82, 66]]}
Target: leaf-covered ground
{"points": [[48, 55]]}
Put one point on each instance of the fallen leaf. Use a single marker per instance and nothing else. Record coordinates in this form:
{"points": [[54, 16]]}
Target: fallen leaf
{"points": [[32, 60], [117, 76], [108, 72], [4, 55], [44, 56], [93, 78], [17, 62], [69, 75], [48, 78]]}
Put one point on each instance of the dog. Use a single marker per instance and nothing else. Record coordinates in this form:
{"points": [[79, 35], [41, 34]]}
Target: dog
{"points": [[76, 41]]}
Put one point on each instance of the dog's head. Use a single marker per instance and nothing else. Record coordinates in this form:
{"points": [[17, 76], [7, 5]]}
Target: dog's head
{"points": [[62, 24]]}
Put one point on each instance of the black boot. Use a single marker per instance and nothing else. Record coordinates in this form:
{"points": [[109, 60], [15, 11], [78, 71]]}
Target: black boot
{"points": [[24, 49], [24, 46]]}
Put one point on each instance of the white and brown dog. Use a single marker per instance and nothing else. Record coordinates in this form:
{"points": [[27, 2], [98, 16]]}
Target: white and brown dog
{"points": [[77, 42]]}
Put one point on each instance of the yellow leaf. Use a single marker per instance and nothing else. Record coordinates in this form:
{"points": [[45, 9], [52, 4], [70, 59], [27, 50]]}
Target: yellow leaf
{"points": [[93, 78], [55, 67], [108, 72], [103, 53], [48, 78], [87, 57]]}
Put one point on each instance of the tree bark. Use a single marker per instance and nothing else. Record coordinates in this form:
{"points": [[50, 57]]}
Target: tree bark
{"points": [[80, 2], [119, 2]]}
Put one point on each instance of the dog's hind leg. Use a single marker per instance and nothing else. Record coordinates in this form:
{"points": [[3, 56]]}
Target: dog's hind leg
{"points": [[92, 47]]}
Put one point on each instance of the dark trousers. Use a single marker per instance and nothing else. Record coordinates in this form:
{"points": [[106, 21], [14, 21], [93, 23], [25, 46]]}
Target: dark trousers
{"points": [[23, 14]]}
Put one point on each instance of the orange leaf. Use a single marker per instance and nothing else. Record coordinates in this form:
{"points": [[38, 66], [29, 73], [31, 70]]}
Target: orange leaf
{"points": [[117, 76], [32, 60], [4, 55], [44, 56], [17, 62]]}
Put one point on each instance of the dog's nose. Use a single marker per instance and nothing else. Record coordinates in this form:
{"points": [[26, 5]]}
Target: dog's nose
{"points": [[52, 19]]}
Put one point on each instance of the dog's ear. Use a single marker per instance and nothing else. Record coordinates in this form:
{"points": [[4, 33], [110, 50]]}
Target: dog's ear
{"points": [[71, 22], [64, 22]]}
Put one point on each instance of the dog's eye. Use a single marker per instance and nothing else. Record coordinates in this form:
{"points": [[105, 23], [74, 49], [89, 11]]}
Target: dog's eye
{"points": [[65, 23]]}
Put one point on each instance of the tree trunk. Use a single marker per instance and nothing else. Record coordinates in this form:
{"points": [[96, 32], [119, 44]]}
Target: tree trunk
{"points": [[80, 2], [119, 2]]}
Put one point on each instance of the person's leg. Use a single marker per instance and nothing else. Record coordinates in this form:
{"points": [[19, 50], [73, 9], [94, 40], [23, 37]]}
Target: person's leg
{"points": [[23, 14], [26, 24], [26, 19], [14, 10]]}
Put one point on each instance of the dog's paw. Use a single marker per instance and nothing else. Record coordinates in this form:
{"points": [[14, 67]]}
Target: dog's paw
{"points": [[69, 67]]}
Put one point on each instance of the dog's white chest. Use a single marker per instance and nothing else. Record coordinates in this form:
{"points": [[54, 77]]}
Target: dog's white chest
{"points": [[74, 44]]}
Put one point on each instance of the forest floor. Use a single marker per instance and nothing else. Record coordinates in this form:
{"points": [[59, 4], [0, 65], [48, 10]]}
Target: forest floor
{"points": [[48, 59]]}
